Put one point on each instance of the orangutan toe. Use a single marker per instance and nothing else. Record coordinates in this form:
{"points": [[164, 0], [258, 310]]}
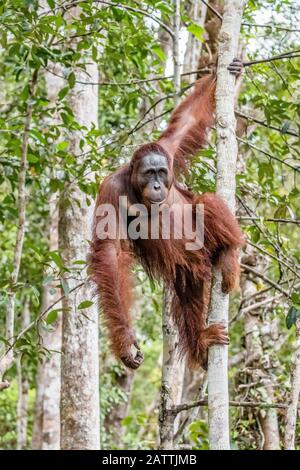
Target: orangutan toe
{"points": [[216, 334]]}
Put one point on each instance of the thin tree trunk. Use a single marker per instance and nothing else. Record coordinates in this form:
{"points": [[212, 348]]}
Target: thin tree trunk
{"points": [[23, 389], [255, 356], [292, 412], [7, 358], [113, 421], [218, 410], [173, 367], [46, 428], [195, 381], [176, 57], [80, 427], [269, 420], [197, 13], [172, 377]]}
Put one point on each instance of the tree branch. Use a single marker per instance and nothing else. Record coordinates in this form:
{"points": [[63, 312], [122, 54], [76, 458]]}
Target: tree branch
{"points": [[266, 279], [284, 55], [211, 8], [278, 221], [280, 28], [268, 154], [248, 404], [265, 124]]}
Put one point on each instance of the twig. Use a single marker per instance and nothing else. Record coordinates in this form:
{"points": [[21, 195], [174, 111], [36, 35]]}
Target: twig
{"points": [[280, 28], [266, 279], [276, 258], [284, 55], [270, 219], [134, 81], [248, 404], [265, 124], [268, 154], [215, 12]]}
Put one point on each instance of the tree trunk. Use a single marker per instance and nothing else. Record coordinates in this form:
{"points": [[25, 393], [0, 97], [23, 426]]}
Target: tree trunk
{"points": [[256, 357], [23, 389], [292, 411], [113, 421], [226, 167], [173, 368], [197, 13], [195, 381], [80, 427], [172, 377], [46, 428]]}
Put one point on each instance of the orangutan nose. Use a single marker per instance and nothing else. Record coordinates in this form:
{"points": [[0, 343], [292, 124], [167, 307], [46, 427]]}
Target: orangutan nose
{"points": [[156, 186]]}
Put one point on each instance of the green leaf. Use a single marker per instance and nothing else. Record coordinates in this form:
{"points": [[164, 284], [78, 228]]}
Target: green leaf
{"points": [[62, 145], [32, 158], [71, 79], [292, 316], [94, 53], [127, 420], [51, 317], [51, 3], [57, 259], [295, 298], [196, 30], [85, 304], [159, 52], [62, 93]]}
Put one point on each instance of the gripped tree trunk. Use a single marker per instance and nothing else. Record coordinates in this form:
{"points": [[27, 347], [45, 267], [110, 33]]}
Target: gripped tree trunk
{"points": [[218, 406]]}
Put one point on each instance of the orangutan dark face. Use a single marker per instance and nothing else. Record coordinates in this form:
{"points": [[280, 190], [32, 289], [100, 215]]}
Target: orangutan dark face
{"points": [[153, 179]]}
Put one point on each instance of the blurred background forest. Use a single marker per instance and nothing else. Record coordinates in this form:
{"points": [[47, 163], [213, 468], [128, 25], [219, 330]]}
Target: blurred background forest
{"points": [[82, 85]]}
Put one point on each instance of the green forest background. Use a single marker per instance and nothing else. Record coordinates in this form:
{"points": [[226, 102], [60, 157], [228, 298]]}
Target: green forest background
{"points": [[130, 49]]}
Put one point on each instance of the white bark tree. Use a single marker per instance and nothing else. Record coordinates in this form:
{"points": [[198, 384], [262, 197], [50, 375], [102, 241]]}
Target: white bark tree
{"points": [[257, 357], [197, 12], [23, 389], [226, 167], [292, 411], [46, 428], [173, 366], [80, 427]]}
